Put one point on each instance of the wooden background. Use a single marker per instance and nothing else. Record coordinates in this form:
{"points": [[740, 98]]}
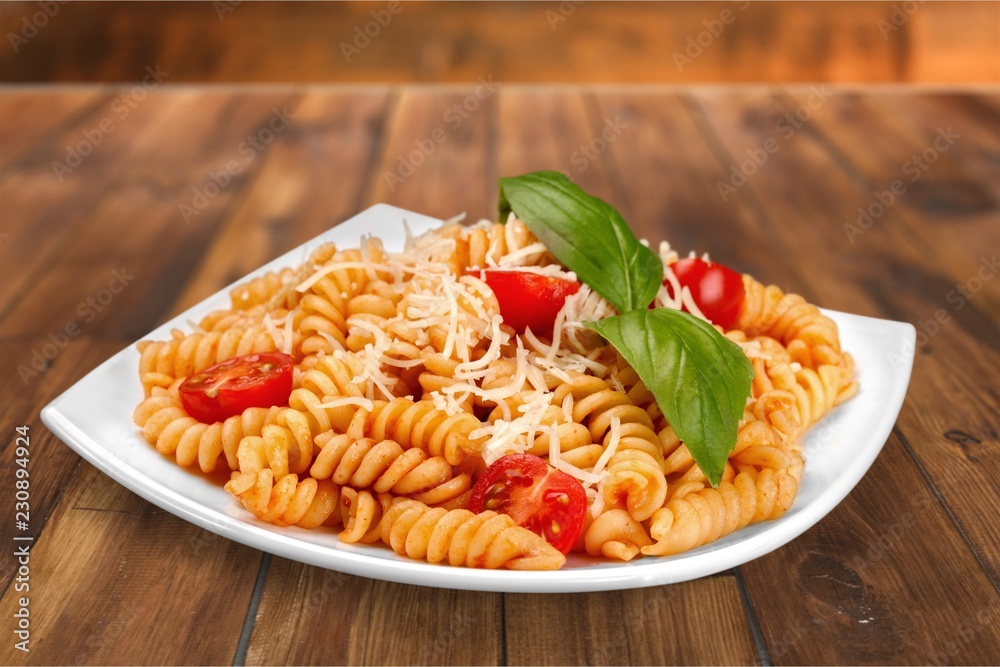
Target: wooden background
{"points": [[607, 42], [905, 570]]}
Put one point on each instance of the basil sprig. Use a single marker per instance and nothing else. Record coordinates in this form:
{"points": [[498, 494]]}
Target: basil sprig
{"points": [[700, 378], [587, 235]]}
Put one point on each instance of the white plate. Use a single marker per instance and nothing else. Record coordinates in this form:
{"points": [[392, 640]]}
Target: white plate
{"points": [[94, 417]]}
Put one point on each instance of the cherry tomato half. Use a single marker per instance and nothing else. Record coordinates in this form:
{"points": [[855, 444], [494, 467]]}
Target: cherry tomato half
{"points": [[717, 289], [537, 496], [528, 299], [228, 388]]}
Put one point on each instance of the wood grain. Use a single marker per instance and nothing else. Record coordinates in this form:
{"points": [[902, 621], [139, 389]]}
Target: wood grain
{"points": [[435, 151], [624, 42], [402, 624], [25, 120], [904, 571], [661, 625], [561, 132], [885, 578], [136, 585], [311, 180], [910, 286], [207, 134], [942, 202], [22, 397], [742, 124]]}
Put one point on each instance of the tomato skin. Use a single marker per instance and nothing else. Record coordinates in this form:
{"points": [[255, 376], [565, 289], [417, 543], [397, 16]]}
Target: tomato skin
{"points": [[230, 387], [538, 497], [529, 300], [717, 289]]}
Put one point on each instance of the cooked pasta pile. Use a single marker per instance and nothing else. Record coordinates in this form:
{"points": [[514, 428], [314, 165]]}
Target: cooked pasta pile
{"points": [[408, 383]]}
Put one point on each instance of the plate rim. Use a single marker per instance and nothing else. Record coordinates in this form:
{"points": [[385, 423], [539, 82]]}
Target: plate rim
{"points": [[598, 578]]}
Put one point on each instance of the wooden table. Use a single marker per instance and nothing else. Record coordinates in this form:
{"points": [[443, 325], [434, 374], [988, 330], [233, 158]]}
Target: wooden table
{"points": [[903, 571]]}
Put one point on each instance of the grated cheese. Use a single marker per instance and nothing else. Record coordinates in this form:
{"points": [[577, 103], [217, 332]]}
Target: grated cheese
{"points": [[334, 343], [337, 266], [340, 401]]}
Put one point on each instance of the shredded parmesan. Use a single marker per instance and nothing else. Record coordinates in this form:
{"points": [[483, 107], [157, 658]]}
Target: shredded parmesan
{"points": [[336, 266], [334, 343], [340, 401]]}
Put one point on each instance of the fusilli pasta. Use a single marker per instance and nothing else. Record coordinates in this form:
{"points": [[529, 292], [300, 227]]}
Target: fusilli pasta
{"points": [[408, 383]]}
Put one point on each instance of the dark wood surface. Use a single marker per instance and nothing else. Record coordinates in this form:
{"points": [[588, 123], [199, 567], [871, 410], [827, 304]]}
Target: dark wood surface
{"points": [[905, 570], [530, 41]]}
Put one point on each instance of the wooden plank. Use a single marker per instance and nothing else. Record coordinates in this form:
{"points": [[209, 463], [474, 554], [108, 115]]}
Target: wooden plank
{"points": [[27, 118], [312, 181], [116, 580], [308, 615], [411, 625], [581, 42], [52, 464], [917, 183], [670, 193], [642, 626], [980, 114], [386, 623], [173, 164], [884, 579], [886, 275], [434, 154], [54, 203], [970, 38], [800, 180], [560, 131]]}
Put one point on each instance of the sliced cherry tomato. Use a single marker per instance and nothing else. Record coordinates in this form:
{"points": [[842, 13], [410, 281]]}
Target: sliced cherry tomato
{"points": [[528, 300], [228, 388], [537, 496], [716, 289]]}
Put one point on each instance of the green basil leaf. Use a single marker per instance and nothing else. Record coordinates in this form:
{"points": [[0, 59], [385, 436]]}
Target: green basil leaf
{"points": [[587, 235], [700, 378]]}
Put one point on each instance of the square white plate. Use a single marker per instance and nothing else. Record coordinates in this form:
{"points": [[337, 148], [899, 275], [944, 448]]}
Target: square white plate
{"points": [[94, 417]]}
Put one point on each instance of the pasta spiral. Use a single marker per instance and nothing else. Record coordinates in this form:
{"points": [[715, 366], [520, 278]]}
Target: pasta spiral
{"points": [[708, 514], [811, 337], [407, 382], [185, 355], [387, 467], [324, 304], [636, 480], [480, 247], [485, 540], [616, 535], [419, 424], [310, 503], [172, 431]]}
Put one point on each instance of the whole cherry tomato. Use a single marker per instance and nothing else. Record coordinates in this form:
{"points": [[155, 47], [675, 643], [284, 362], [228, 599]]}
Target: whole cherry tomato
{"points": [[716, 289]]}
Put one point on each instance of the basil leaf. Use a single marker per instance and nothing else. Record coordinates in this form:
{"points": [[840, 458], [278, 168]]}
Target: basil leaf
{"points": [[700, 379], [587, 235]]}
